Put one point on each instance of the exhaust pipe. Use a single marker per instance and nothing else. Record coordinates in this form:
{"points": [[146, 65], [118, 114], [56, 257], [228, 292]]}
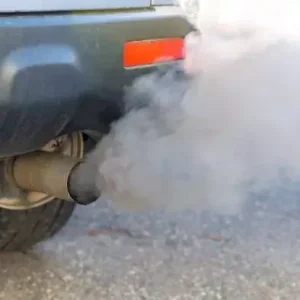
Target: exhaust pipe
{"points": [[56, 175]]}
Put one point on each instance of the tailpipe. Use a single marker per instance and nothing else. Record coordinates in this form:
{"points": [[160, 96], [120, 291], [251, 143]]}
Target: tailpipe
{"points": [[56, 175]]}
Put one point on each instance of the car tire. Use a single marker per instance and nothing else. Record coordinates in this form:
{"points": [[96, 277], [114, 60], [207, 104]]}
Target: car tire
{"points": [[21, 229]]}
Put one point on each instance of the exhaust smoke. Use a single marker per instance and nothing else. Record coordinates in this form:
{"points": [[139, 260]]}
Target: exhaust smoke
{"points": [[224, 124]]}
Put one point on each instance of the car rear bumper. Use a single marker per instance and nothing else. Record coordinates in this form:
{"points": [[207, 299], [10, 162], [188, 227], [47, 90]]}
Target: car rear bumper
{"points": [[64, 72]]}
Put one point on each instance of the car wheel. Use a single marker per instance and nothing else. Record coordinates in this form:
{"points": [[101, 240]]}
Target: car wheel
{"points": [[21, 229], [28, 217]]}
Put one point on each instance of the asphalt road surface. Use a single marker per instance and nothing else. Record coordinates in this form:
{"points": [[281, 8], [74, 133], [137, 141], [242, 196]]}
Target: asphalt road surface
{"points": [[102, 254]]}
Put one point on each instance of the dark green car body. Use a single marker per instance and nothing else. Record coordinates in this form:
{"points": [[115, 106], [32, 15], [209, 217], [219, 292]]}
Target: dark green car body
{"points": [[62, 70]]}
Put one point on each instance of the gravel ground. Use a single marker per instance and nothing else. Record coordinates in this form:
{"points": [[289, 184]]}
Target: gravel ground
{"points": [[105, 255]]}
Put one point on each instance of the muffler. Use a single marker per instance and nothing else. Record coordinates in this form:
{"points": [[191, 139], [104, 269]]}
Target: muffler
{"points": [[56, 175]]}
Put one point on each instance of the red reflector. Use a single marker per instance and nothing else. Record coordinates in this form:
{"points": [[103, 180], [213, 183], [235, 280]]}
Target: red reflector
{"points": [[147, 52]]}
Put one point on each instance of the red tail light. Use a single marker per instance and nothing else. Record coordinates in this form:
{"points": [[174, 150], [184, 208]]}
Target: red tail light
{"points": [[148, 52]]}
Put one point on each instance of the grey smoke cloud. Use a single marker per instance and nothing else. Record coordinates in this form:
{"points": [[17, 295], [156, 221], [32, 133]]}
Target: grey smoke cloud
{"points": [[223, 124]]}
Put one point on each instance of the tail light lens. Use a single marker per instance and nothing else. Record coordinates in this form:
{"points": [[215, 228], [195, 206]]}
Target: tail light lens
{"points": [[149, 52]]}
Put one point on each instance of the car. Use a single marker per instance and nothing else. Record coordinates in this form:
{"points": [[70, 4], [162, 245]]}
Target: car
{"points": [[64, 66]]}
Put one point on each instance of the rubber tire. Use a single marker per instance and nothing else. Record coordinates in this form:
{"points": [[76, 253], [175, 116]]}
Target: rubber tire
{"points": [[20, 230]]}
